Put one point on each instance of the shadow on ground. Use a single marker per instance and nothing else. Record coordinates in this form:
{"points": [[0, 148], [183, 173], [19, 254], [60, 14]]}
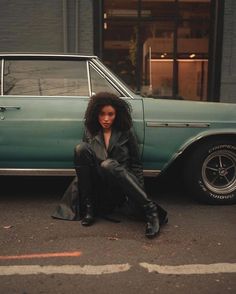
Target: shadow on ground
{"points": [[53, 188]]}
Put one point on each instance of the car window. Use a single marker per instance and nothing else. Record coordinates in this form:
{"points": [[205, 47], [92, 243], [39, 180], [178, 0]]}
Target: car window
{"points": [[45, 78], [100, 84]]}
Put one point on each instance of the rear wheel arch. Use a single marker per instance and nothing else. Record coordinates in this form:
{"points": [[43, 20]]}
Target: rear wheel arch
{"points": [[208, 138]]}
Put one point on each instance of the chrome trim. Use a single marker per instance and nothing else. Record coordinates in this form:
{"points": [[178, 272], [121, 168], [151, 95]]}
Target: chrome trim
{"points": [[36, 172], [113, 78], [151, 173], [93, 61], [89, 79], [101, 73], [45, 119], [55, 172], [5, 107], [177, 125], [47, 55], [43, 97], [2, 73]]}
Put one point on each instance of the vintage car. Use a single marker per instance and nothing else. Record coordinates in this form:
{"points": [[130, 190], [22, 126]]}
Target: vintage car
{"points": [[43, 100]]}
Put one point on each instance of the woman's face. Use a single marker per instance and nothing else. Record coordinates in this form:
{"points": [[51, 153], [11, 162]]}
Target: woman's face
{"points": [[106, 116]]}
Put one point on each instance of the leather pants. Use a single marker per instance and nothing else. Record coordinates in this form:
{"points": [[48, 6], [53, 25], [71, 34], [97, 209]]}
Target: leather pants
{"points": [[88, 168]]}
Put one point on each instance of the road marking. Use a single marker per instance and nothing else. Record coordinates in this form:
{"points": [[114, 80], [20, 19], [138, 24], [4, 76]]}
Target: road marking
{"points": [[63, 269], [42, 255], [191, 269]]}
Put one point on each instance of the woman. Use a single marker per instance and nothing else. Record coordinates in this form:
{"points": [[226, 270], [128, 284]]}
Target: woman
{"points": [[106, 161]]}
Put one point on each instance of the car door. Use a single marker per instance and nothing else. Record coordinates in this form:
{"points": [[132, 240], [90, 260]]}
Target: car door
{"points": [[41, 111]]}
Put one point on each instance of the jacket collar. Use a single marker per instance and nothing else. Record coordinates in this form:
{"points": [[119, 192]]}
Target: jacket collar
{"points": [[115, 136], [99, 137]]}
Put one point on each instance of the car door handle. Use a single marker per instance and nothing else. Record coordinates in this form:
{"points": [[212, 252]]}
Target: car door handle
{"points": [[4, 108]]}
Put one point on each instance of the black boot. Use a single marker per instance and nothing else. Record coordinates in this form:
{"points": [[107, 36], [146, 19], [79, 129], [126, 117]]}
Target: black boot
{"points": [[134, 190], [162, 214], [153, 224], [85, 187], [88, 219]]}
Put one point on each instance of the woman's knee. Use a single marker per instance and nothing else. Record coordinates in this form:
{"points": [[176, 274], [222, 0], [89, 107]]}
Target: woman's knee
{"points": [[109, 164], [112, 167]]}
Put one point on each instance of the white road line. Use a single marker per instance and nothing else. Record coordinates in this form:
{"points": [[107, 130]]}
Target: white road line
{"points": [[191, 269], [63, 269]]}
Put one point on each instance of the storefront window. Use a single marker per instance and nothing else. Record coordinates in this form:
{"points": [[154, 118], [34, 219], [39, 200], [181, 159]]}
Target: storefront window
{"points": [[160, 48], [120, 49], [193, 60], [192, 49], [157, 58], [158, 8]]}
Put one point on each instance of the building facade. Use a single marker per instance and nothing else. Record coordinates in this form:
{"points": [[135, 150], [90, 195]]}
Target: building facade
{"points": [[173, 49]]}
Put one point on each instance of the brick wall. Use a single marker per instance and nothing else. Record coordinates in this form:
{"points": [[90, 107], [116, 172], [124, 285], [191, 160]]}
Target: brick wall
{"points": [[86, 26], [228, 72], [31, 26], [46, 26]]}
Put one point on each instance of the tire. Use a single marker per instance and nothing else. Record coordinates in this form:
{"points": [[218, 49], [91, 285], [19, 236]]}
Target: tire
{"points": [[210, 172]]}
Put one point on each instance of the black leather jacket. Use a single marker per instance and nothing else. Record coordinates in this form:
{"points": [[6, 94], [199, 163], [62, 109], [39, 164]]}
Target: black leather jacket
{"points": [[123, 147]]}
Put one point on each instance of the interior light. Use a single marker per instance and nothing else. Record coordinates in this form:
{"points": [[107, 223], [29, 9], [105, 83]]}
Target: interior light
{"points": [[192, 55], [163, 55]]}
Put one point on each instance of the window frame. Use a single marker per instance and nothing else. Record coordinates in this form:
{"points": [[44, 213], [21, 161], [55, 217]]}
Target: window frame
{"points": [[44, 58], [100, 73], [112, 78], [93, 61]]}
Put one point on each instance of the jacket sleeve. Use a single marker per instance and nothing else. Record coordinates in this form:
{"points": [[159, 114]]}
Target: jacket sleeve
{"points": [[135, 161]]}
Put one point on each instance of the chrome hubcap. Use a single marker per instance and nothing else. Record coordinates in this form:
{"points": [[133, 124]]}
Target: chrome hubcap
{"points": [[219, 172]]}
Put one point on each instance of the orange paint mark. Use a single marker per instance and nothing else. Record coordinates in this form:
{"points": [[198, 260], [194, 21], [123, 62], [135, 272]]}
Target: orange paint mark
{"points": [[42, 255]]}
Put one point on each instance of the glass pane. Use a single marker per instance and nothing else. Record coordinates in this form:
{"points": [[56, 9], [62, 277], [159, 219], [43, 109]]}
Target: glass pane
{"points": [[158, 8], [120, 50], [193, 79], [120, 9], [161, 78], [45, 78], [99, 84], [157, 60], [193, 36], [192, 49], [194, 9]]}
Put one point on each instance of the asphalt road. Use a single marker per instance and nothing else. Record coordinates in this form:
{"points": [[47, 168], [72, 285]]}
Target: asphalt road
{"points": [[194, 253]]}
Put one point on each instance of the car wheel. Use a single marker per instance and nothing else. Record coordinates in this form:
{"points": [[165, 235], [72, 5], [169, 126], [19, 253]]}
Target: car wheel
{"points": [[210, 172]]}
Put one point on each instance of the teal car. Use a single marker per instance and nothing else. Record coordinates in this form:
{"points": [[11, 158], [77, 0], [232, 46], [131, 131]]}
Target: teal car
{"points": [[42, 105]]}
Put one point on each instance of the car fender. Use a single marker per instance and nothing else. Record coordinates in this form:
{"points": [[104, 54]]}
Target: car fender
{"points": [[196, 139]]}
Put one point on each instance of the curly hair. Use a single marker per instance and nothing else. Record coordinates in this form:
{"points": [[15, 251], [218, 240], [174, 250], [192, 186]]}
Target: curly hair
{"points": [[123, 119]]}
